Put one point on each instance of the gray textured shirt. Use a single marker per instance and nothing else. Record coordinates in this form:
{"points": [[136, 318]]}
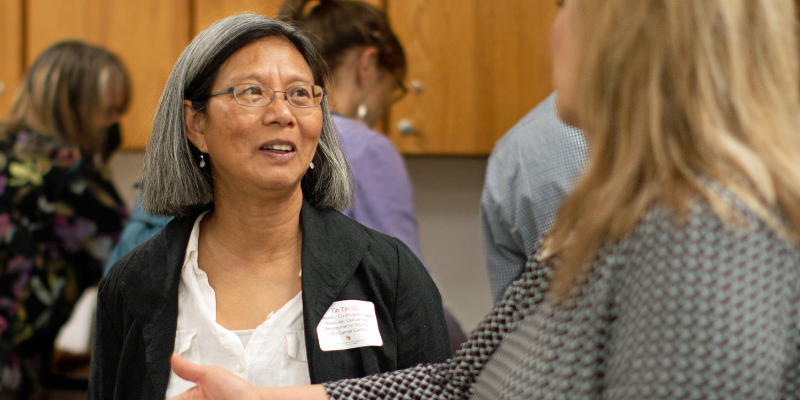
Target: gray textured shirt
{"points": [[531, 169], [701, 310]]}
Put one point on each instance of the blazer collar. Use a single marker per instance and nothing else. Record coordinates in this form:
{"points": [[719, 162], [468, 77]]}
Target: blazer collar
{"points": [[333, 246], [150, 288]]}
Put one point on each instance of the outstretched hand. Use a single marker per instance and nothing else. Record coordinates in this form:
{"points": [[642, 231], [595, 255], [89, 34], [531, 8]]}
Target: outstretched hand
{"points": [[212, 382], [219, 384]]}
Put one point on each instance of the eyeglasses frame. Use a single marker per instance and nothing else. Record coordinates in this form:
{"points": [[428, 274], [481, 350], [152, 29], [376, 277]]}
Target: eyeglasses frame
{"points": [[230, 90], [403, 90]]}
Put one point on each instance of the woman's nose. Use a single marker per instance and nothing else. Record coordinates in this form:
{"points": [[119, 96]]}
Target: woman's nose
{"points": [[280, 111]]}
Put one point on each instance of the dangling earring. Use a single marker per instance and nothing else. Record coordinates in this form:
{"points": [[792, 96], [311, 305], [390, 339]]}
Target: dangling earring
{"points": [[202, 163], [362, 111], [311, 165]]}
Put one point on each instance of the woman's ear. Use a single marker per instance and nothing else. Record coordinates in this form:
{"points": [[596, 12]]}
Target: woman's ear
{"points": [[367, 66], [195, 123]]}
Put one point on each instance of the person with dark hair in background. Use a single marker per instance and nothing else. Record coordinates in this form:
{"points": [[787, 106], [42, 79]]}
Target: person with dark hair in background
{"points": [[368, 66], [673, 268], [59, 213], [258, 273]]}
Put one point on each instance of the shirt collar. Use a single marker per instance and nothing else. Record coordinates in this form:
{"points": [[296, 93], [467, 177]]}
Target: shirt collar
{"points": [[194, 240]]}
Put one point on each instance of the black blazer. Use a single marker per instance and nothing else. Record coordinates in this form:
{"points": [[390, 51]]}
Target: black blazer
{"points": [[137, 306]]}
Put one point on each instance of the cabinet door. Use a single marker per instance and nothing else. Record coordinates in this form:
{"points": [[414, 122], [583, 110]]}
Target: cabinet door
{"points": [[11, 62], [208, 11], [475, 68], [148, 35]]}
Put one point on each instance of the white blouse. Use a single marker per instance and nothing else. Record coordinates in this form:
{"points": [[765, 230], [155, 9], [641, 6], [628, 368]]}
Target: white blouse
{"points": [[273, 354]]}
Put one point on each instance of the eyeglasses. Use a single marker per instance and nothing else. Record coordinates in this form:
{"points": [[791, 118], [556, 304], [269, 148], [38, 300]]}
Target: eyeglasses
{"points": [[400, 91], [249, 95]]}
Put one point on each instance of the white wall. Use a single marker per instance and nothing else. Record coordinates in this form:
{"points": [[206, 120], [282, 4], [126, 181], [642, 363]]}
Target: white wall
{"points": [[448, 192], [447, 195]]}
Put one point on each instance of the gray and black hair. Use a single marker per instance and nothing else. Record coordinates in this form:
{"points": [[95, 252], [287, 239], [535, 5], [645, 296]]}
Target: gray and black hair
{"points": [[172, 182]]}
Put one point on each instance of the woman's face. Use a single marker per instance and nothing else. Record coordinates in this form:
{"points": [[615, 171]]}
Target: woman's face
{"points": [[112, 100], [564, 48], [259, 147]]}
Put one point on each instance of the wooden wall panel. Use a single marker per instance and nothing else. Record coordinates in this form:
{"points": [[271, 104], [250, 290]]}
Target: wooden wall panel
{"points": [[11, 52], [514, 63], [208, 11], [148, 35], [377, 3], [482, 65]]}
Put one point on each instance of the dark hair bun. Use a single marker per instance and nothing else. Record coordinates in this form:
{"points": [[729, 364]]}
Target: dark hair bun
{"points": [[335, 26]]}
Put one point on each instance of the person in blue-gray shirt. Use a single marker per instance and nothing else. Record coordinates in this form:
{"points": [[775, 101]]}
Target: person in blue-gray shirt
{"points": [[531, 170]]}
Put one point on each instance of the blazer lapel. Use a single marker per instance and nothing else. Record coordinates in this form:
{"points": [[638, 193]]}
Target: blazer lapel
{"points": [[153, 295], [333, 247]]}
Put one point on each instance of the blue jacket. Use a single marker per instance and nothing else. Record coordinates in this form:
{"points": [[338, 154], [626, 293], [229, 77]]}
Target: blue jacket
{"points": [[141, 226]]}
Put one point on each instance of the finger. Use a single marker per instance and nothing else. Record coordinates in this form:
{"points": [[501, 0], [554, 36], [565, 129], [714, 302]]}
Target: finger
{"points": [[187, 370], [190, 394]]}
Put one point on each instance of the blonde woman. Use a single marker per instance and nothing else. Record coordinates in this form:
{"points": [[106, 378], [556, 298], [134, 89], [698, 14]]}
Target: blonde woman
{"points": [[675, 265], [59, 212]]}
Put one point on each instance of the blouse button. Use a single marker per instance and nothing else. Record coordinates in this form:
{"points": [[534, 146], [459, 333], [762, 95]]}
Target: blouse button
{"points": [[240, 367]]}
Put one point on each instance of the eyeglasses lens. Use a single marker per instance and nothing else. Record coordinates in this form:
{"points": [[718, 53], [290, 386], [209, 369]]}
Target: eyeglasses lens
{"points": [[253, 95], [261, 96], [304, 96], [399, 91]]}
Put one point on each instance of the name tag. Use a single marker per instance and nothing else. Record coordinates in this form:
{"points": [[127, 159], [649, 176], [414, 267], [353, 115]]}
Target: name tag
{"points": [[349, 324]]}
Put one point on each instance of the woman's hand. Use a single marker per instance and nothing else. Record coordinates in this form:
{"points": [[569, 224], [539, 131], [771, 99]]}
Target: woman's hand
{"points": [[216, 383], [212, 382]]}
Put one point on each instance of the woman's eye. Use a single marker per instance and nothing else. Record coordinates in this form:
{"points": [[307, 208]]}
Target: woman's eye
{"points": [[252, 90], [300, 92]]}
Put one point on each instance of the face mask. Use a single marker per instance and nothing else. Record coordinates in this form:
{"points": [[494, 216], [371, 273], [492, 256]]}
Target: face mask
{"points": [[113, 140]]}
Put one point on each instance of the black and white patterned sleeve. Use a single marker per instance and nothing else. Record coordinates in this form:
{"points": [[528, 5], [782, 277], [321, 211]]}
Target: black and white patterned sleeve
{"points": [[454, 378], [704, 312]]}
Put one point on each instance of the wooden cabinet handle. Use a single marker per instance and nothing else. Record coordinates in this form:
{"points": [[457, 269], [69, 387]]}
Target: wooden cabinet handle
{"points": [[406, 127], [416, 86], [2, 87]]}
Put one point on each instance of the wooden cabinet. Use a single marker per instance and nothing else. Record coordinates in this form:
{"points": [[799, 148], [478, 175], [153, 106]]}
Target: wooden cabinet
{"points": [[475, 66], [11, 52], [208, 11], [478, 66]]}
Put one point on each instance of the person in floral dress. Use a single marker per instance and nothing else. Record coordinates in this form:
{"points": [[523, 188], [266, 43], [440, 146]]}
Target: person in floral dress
{"points": [[60, 215]]}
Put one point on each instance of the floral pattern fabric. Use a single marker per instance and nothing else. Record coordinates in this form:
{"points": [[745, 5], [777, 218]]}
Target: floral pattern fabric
{"points": [[59, 218]]}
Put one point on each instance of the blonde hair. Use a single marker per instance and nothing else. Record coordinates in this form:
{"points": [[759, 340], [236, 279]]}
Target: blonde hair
{"points": [[671, 92], [62, 90]]}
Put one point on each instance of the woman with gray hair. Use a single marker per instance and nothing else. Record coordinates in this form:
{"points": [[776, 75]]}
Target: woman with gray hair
{"points": [[258, 273]]}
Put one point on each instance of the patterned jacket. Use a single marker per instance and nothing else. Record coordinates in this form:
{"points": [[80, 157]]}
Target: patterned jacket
{"points": [[700, 309]]}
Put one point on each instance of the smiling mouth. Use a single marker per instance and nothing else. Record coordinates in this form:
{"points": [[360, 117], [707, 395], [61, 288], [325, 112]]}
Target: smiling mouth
{"points": [[279, 148]]}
